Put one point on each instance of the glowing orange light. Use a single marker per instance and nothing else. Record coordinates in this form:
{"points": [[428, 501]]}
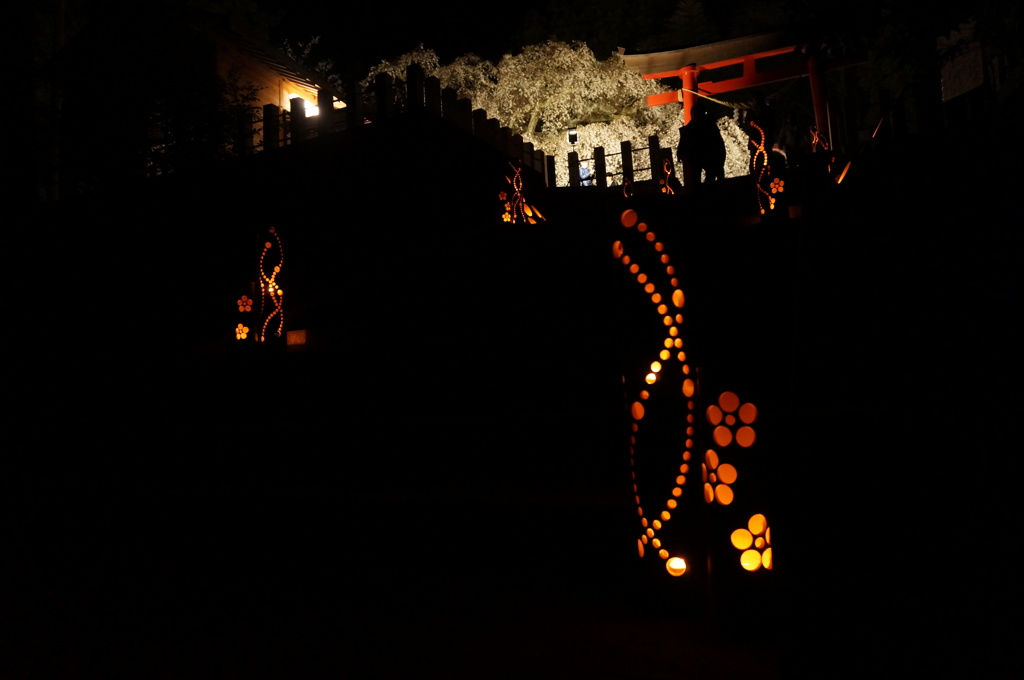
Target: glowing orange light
{"points": [[268, 284], [676, 566], [758, 535], [516, 208]]}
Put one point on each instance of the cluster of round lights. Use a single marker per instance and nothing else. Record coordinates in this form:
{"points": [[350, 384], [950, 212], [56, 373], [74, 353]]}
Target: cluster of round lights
{"points": [[718, 478], [755, 542], [732, 421]]}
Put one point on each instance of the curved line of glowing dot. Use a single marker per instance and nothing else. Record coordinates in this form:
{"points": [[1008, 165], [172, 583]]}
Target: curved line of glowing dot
{"points": [[761, 151], [675, 566], [269, 283], [518, 207]]}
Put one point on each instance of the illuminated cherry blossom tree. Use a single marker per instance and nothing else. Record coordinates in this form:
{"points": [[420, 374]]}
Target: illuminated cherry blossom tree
{"points": [[546, 89]]}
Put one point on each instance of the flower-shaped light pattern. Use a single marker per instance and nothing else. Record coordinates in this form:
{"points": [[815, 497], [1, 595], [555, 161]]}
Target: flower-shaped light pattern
{"points": [[717, 478], [756, 543], [777, 185], [244, 304], [241, 332], [724, 417]]}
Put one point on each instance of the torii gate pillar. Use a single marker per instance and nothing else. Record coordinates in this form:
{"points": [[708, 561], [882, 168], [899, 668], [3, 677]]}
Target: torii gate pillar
{"points": [[689, 74]]}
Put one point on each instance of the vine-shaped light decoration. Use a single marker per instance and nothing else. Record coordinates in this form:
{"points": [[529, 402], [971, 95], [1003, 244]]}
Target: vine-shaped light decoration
{"points": [[666, 172], [516, 207], [668, 305], [271, 300], [671, 374], [761, 154], [818, 139]]}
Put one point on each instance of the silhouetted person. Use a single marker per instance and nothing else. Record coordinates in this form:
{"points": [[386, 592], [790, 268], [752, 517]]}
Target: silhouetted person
{"points": [[701, 148]]}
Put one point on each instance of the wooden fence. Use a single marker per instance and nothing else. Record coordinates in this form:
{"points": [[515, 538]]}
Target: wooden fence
{"points": [[420, 96], [276, 128], [655, 158]]}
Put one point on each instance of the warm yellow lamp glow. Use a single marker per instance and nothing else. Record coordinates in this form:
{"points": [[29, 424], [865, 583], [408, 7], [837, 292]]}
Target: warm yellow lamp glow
{"points": [[755, 542], [726, 474], [750, 560], [741, 539], [676, 566], [309, 107]]}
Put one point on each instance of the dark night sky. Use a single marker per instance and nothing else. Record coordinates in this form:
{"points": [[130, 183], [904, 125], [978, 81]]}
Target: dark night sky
{"points": [[367, 33]]}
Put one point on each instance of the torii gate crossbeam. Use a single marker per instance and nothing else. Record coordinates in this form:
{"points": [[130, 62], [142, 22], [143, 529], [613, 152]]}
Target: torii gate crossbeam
{"points": [[751, 77]]}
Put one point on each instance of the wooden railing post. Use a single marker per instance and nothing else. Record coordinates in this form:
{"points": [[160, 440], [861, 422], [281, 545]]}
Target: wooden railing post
{"points": [[384, 89], [325, 103], [505, 141], [414, 88], [271, 126], [654, 151], [297, 109], [550, 172], [600, 169], [574, 169], [432, 95], [449, 106], [627, 161], [354, 108]]}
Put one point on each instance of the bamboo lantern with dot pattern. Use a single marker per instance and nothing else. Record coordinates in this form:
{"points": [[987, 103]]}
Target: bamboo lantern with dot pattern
{"points": [[711, 440]]}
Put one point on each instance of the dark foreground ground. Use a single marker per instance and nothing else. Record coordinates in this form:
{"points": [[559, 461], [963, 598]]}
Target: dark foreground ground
{"points": [[454, 502]]}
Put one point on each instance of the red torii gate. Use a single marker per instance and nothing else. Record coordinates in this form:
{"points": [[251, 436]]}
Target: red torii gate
{"points": [[689, 63]]}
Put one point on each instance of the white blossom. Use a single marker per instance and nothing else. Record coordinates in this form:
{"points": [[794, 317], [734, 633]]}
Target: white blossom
{"points": [[546, 89]]}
